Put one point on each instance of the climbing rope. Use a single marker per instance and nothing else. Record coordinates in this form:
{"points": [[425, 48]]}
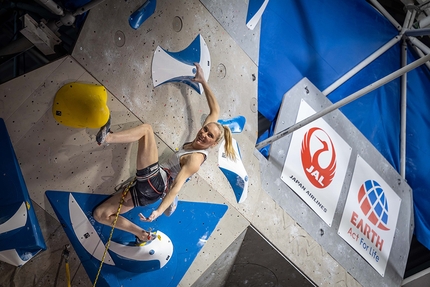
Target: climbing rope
{"points": [[124, 193], [66, 259]]}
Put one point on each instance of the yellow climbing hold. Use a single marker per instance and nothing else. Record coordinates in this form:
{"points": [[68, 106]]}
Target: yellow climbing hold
{"points": [[80, 105]]}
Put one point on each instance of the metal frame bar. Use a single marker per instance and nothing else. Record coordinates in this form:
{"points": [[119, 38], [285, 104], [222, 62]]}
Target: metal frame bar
{"points": [[423, 275], [52, 6], [386, 14], [418, 32], [411, 22], [421, 54], [87, 7], [403, 107], [423, 47], [410, 16], [345, 101], [423, 4], [406, 22], [361, 66]]}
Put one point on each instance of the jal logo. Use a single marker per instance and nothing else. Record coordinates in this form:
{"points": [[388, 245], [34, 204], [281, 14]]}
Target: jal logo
{"points": [[373, 203], [318, 157]]}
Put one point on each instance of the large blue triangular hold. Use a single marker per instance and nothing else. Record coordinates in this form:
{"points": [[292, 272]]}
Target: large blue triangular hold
{"points": [[234, 171], [255, 11], [20, 235], [179, 66], [163, 262]]}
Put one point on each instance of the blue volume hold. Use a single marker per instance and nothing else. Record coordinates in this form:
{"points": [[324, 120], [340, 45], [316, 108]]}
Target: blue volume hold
{"points": [[236, 124], [179, 66], [253, 7], [140, 15]]}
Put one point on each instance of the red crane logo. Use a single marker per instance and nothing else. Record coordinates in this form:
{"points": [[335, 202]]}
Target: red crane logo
{"points": [[315, 166]]}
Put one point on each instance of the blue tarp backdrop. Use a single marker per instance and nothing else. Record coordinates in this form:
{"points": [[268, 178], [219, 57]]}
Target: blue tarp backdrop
{"points": [[322, 40]]}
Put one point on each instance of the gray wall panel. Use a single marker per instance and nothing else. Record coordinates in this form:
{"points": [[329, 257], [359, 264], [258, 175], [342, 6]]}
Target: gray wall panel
{"points": [[309, 220]]}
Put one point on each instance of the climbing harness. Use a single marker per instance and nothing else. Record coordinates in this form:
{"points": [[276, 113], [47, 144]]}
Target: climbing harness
{"points": [[166, 187], [121, 202]]}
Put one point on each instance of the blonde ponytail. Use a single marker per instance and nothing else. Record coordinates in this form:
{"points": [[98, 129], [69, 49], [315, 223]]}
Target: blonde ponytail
{"points": [[228, 138], [228, 145]]}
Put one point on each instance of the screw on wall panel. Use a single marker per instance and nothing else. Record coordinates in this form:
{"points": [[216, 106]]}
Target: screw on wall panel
{"points": [[307, 90], [254, 105], [119, 38], [177, 24], [221, 71]]}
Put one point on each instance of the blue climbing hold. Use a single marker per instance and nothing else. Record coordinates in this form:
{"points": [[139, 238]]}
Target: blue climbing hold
{"points": [[140, 15], [235, 124]]}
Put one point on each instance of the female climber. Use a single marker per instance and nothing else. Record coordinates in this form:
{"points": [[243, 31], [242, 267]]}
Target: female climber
{"points": [[156, 180]]}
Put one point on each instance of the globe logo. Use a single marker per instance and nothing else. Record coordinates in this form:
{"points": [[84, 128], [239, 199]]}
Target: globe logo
{"points": [[374, 204]]}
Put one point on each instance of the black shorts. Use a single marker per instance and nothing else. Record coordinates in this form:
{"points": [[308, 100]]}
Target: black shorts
{"points": [[151, 184]]}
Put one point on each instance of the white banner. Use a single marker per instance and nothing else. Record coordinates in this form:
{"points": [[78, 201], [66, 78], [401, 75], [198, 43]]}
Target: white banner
{"points": [[370, 216], [316, 164]]}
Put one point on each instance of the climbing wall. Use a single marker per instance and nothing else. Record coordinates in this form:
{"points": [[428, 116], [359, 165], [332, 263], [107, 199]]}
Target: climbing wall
{"points": [[111, 53]]}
